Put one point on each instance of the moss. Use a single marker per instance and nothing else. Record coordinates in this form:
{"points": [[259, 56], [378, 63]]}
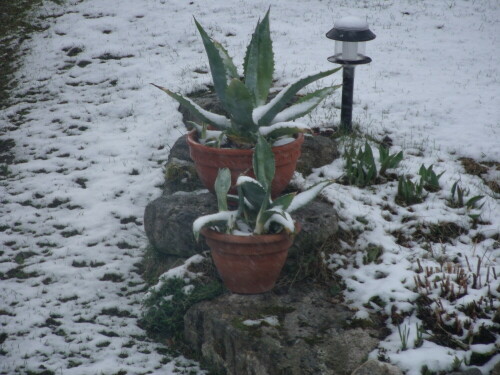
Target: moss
{"points": [[314, 340], [276, 310], [181, 175], [252, 330], [166, 307], [360, 323], [154, 264]]}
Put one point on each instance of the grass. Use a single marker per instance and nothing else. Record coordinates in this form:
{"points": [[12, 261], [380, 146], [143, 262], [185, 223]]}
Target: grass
{"points": [[16, 26]]}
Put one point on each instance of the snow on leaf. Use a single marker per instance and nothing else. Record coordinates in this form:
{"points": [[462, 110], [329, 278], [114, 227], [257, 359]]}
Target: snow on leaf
{"points": [[307, 196], [281, 217], [283, 126], [203, 221]]}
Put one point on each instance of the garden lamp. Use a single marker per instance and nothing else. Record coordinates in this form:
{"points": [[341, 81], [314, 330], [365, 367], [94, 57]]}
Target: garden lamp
{"points": [[350, 35]]}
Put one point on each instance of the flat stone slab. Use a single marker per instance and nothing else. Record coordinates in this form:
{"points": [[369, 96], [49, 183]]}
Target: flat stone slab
{"points": [[301, 332]]}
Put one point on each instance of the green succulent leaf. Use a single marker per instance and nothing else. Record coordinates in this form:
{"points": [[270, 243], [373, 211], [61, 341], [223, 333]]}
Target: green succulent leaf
{"points": [[223, 217], [263, 163], [220, 71], [221, 186], [259, 62], [231, 70], [305, 105], [281, 217], [218, 121], [252, 190], [239, 105], [307, 196], [284, 201], [266, 114]]}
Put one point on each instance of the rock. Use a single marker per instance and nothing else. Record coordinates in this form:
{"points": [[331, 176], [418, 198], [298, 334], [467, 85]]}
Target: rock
{"points": [[319, 222], [180, 171], [317, 151], [168, 221], [181, 175], [304, 333], [180, 150], [496, 369], [373, 367], [471, 371]]}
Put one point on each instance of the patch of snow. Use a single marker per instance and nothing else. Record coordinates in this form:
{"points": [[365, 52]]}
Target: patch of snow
{"points": [[270, 320], [266, 130], [352, 23]]}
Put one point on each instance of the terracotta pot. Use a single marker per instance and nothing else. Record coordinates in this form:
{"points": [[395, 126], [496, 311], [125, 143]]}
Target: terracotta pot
{"points": [[208, 161], [248, 264]]}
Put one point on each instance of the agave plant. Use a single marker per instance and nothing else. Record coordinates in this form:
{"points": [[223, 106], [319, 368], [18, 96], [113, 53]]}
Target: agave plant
{"points": [[245, 99], [256, 213]]}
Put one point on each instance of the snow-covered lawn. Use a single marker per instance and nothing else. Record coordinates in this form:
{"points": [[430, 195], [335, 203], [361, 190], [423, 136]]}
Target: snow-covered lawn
{"points": [[91, 136]]}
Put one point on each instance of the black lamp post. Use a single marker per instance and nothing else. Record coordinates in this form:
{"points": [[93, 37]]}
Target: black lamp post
{"points": [[350, 34]]}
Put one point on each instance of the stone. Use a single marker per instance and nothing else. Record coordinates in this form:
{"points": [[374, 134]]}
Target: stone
{"points": [[317, 151], [180, 150], [471, 371], [496, 369], [180, 171], [300, 332], [374, 367], [181, 175], [319, 222], [168, 221]]}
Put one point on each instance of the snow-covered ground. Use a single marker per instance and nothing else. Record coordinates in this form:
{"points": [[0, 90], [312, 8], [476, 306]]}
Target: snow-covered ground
{"points": [[93, 135]]}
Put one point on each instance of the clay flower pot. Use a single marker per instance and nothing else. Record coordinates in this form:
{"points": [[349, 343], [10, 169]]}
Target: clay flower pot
{"points": [[208, 161], [248, 264]]}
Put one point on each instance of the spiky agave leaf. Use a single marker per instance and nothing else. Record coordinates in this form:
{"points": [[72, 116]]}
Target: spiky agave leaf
{"points": [[265, 114], [263, 163], [239, 105], [218, 121], [231, 70], [259, 62], [304, 105], [218, 60], [264, 167]]}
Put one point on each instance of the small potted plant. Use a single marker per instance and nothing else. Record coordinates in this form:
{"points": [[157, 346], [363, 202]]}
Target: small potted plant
{"points": [[249, 245], [229, 141]]}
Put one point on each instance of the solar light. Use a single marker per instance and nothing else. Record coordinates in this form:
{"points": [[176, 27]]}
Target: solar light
{"points": [[350, 35]]}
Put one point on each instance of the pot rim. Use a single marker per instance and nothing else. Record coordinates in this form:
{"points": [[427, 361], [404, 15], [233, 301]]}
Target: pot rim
{"points": [[193, 141], [251, 239]]}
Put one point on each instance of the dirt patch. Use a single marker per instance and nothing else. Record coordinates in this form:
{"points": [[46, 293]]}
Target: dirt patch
{"points": [[483, 170]]}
